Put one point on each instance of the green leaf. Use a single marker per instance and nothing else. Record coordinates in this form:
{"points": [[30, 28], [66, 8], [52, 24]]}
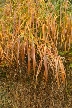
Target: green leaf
{"points": [[70, 66]]}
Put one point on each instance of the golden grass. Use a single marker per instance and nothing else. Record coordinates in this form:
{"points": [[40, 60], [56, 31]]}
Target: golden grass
{"points": [[29, 28]]}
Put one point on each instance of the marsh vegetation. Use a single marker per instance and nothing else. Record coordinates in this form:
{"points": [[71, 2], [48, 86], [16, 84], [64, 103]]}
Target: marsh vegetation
{"points": [[36, 54]]}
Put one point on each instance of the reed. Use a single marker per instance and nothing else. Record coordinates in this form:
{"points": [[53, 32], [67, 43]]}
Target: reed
{"points": [[30, 29]]}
